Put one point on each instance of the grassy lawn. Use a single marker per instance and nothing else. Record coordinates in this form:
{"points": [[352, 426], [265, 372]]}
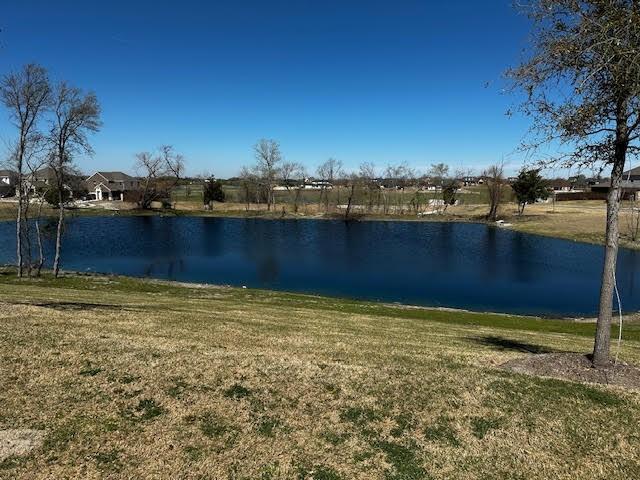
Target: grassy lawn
{"points": [[135, 379]]}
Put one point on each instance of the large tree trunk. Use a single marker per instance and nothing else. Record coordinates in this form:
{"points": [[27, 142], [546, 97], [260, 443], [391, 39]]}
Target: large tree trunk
{"points": [[603, 327], [56, 261]]}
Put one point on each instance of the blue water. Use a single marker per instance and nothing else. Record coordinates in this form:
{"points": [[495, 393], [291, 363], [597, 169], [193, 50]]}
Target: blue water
{"points": [[470, 266]]}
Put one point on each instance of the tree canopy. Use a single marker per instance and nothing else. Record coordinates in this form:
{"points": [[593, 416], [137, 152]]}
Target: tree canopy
{"points": [[529, 187], [581, 82], [213, 191]]}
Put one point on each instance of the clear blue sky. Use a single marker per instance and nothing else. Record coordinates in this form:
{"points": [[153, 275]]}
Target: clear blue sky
{"points": [[357, 80]]}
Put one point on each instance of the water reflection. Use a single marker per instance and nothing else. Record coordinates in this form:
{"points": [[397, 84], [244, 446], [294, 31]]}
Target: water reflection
{"points": [[458, 265]]}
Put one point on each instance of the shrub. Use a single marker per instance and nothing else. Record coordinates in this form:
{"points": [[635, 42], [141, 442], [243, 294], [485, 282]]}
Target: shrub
{"points": [[213, 191]]}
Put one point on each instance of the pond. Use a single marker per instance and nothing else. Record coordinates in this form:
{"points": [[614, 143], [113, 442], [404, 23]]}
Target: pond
{"points": [[470, 266]]}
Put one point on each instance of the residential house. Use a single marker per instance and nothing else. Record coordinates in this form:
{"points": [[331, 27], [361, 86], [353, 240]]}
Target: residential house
{"points": [[111, 185], [42, 177], [7, 178], [560, 185], [45, 178], [630, 185], [7, 183], [630, 188], [309, 184], [470, 181], [632, 175]]}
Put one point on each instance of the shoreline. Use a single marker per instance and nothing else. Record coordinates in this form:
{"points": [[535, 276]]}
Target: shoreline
{"points": [[8, 269]]}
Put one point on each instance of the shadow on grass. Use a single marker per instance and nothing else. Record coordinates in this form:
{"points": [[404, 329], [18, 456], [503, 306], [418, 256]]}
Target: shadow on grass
{"points": [[73, 306], [501, 343]]}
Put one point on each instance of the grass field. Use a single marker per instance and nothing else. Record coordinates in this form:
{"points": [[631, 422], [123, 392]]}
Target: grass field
{"points": [[476, 195], [135, 379]]}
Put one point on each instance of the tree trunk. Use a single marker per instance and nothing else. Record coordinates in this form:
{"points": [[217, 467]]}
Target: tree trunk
{"points": [[56, 261], [19, 225], [27, 236], [348, 210], [296, 201], [39, 238], [603, 326]]}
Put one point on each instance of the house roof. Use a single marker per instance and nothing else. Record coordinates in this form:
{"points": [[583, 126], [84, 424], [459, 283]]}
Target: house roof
{"points": [[633, 172], [114, 176], [623, 184], [46, 172], [560, 182], [7, 173], [103, 186]]}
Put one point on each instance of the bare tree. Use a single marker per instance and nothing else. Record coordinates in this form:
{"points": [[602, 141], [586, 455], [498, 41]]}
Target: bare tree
{"points": [[75, 115], [268, 156], [161, 172], [26, 95], [397, 177], [390, 177], [353, 180], [438, 173], [494, 181], [633, 218], [367, 177], [582, 85], [33, 164], [249, 183], [290, 173], [328, 172], [149, 167]]}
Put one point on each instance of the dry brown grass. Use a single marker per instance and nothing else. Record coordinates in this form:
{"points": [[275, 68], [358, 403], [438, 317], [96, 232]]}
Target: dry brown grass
{"points": [[159, 382]]}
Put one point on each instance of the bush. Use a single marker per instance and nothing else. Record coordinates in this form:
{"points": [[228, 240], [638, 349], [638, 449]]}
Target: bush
{"points": [[213, 191], [449, 192], [52, 196]]}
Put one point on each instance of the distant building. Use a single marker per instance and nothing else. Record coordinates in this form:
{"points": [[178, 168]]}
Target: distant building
{"points": [[40, 178], [316, 184], [470, 181], [7, 178], [560, 185], [630, 188], [632, 175], [111, 185], [7, 183], [46, 178]]}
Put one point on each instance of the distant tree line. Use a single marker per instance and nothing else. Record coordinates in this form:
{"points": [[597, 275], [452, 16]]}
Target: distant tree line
{"points": [[397, 189]]}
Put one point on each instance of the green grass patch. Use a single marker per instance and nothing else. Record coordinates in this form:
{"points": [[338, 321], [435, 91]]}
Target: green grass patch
{"points": [[359, 416], [442, 432], [480, 426], [212, 426], [237, 391], [147, 409], [406, 465], [318, 472]]}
